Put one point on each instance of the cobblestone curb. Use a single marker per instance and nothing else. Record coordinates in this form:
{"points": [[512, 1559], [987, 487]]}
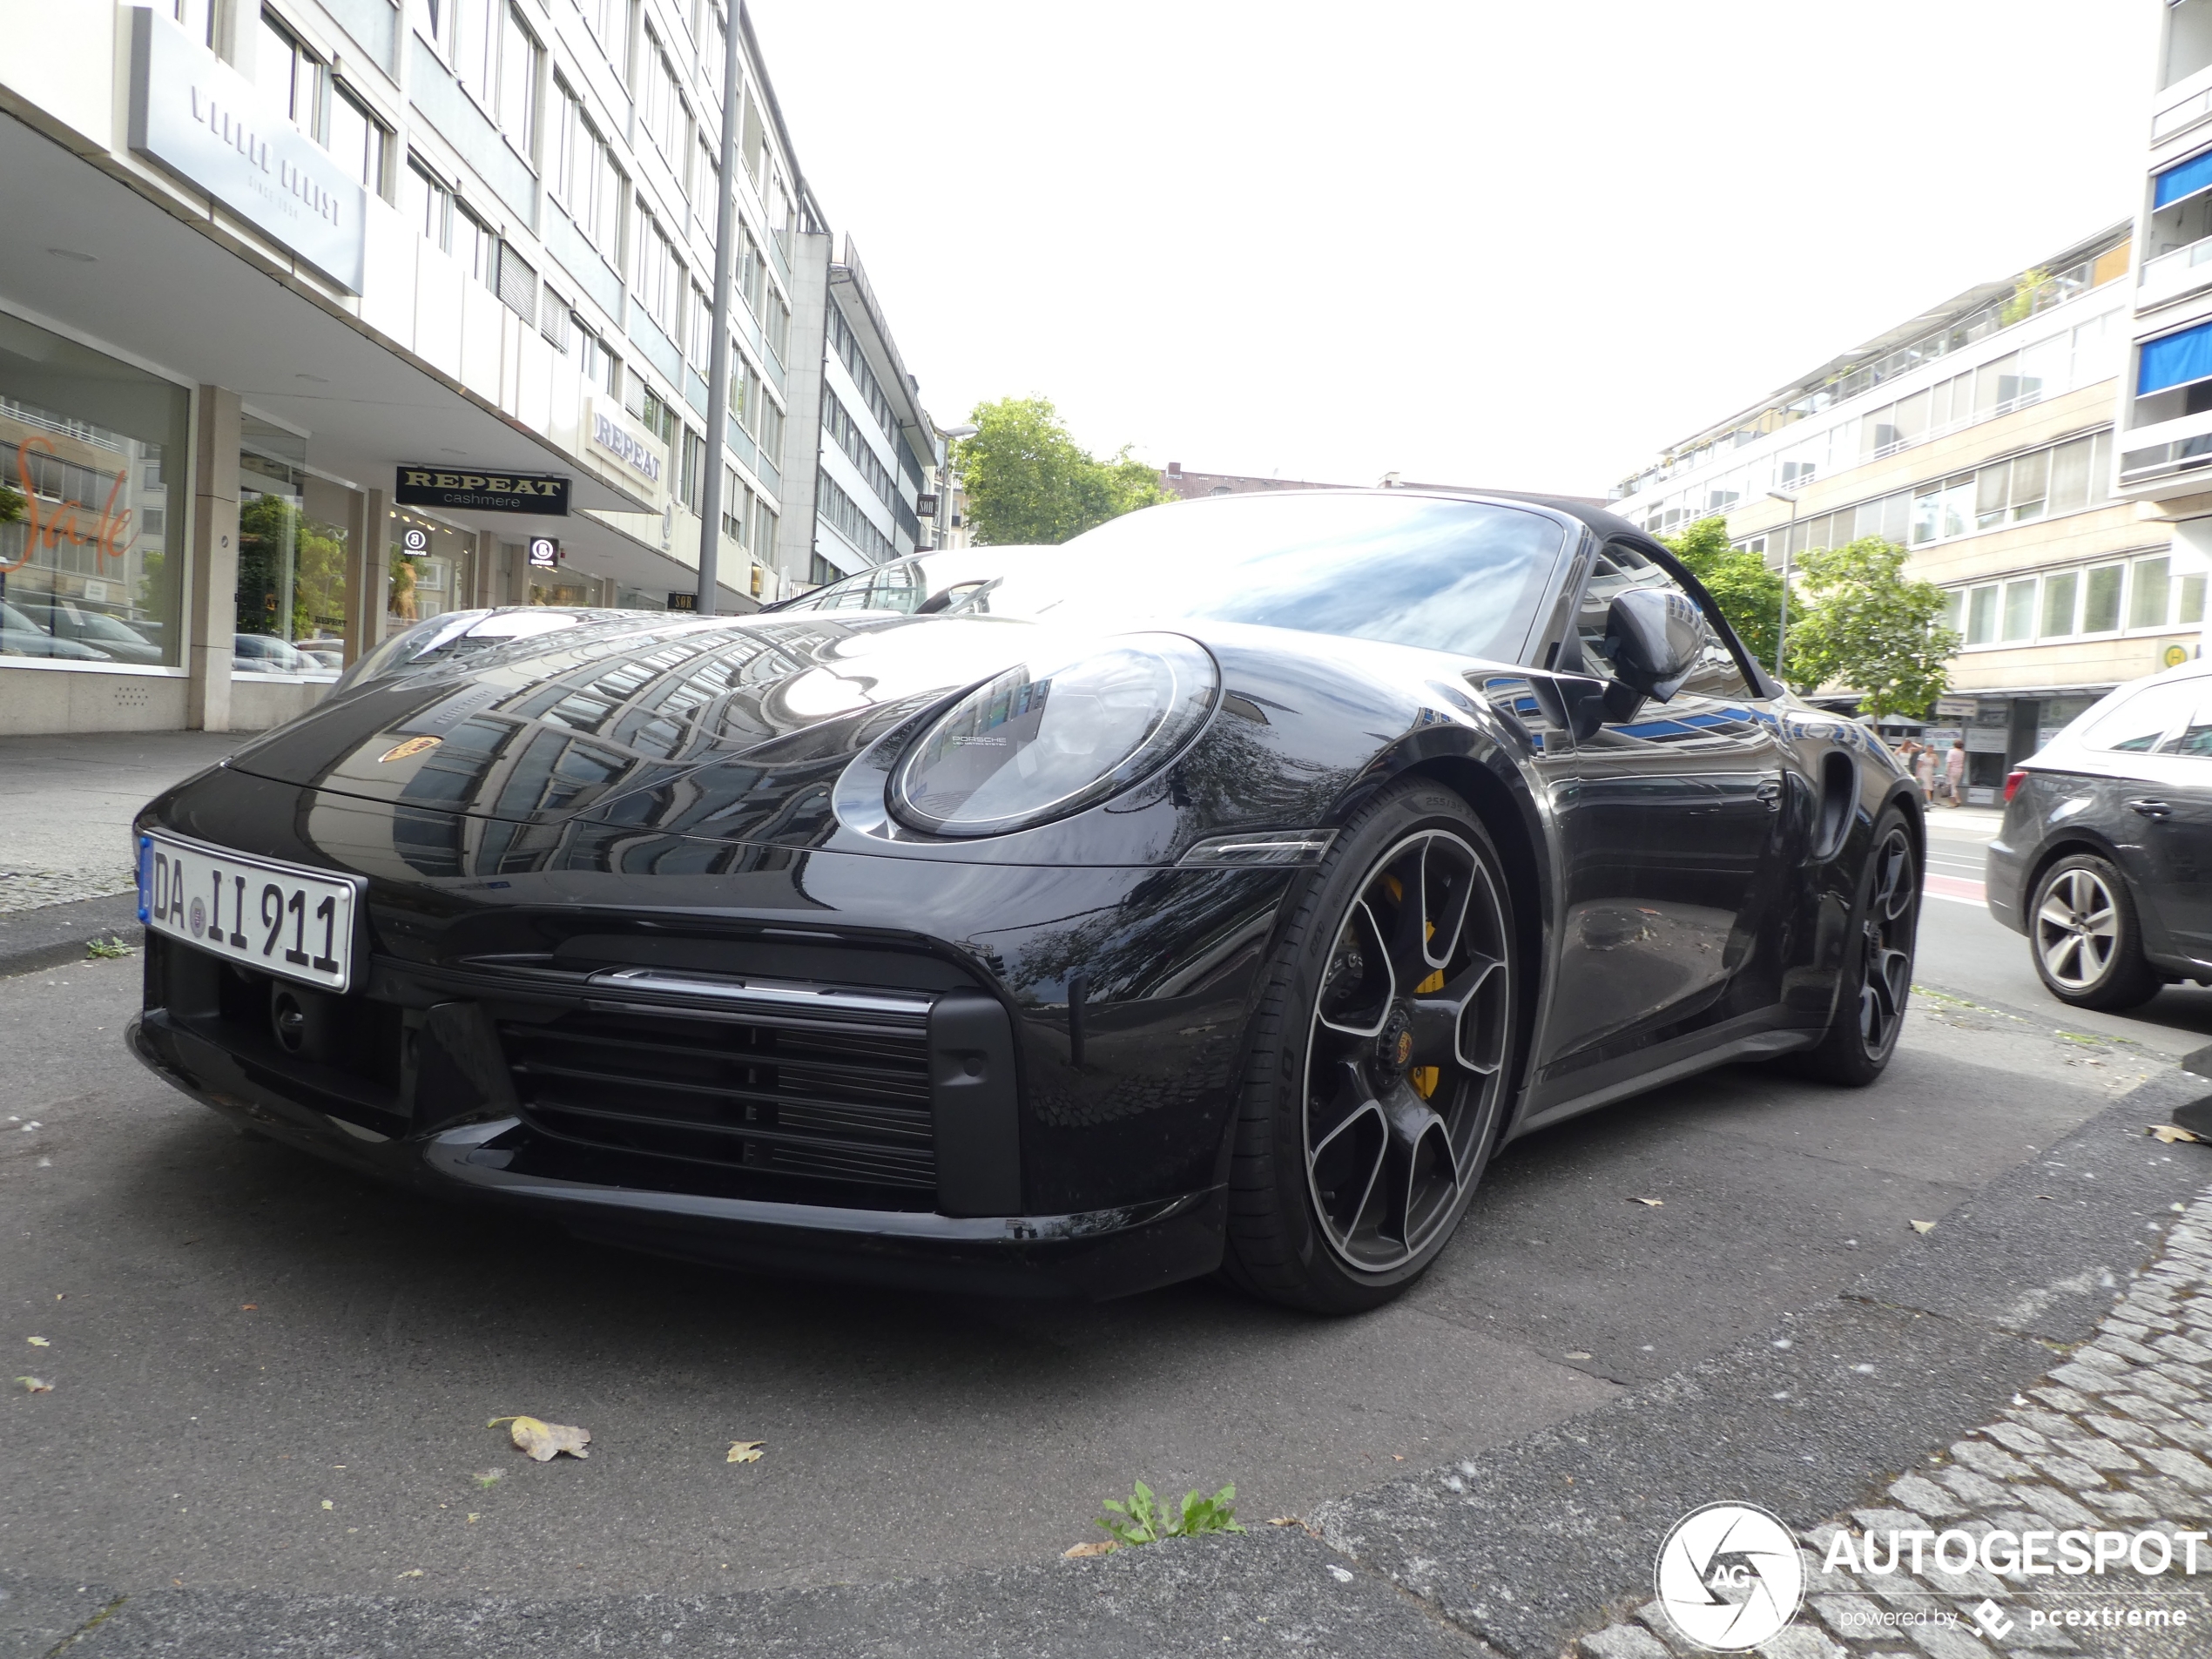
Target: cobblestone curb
{"points": [[2119, 1437]]}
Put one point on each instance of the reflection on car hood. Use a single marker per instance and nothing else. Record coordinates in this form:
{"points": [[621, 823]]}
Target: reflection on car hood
{"points": [[560, 725]]}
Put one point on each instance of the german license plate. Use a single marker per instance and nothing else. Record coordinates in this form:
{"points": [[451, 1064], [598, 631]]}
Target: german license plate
{"points": [[286, 921]]}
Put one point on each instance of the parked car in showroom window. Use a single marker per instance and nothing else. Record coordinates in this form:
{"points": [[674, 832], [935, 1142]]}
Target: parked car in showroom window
{"points": [[2105, 860], [22, 636], [1216, 891]]}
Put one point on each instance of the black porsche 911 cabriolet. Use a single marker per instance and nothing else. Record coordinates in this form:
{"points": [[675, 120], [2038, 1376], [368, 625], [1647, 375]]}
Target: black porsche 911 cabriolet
{"points": [[1217, 891]]}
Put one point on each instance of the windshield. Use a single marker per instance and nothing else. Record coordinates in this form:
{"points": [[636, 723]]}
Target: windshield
{"points": [[1457, 575]]}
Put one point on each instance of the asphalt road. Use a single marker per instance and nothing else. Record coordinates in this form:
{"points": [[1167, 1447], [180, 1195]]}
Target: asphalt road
{"points": [[1963, 949], [239, 1337]]}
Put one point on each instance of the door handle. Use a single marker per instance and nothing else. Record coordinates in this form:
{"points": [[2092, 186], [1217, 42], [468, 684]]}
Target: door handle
{"points": [[2150, 808], [1769, 791]]}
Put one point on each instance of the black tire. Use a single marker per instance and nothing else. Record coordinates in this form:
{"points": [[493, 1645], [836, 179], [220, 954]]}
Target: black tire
{"points": [[2085, 938], [1877, 978], [1328, 1104]]}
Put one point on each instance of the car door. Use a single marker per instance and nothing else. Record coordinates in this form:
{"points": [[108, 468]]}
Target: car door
{"points": [[2174, 802], [1676, 857]]}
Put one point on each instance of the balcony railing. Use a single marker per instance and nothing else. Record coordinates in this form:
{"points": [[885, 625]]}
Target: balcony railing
{"points": [[2176, 272]]}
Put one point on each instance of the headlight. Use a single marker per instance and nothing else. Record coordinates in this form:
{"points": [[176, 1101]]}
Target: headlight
{"points": [[1031, 746]]}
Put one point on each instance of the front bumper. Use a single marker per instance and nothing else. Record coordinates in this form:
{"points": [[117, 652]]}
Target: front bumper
{"points": [[1098, 1254]]}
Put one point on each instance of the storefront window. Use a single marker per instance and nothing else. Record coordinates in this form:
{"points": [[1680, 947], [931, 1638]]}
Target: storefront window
{"points": [[91, 504], [560, 587], [291, 612], [432, 571]]}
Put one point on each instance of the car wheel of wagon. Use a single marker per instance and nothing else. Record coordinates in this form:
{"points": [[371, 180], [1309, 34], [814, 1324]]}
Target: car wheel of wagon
{"points": [[2086, 939], [1877, 970], [1380, 1062]]}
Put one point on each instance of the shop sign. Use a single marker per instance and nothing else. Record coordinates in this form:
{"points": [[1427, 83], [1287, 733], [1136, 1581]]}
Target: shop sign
{"points": [[925, 506], [545, 553], [640, 458], [683, 602], [1985, 740], [542, 494], [196, 117], [1954, 708]]}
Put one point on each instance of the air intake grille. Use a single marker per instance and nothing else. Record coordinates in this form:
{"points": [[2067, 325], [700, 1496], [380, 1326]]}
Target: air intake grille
{"points": [[824, 1093]]}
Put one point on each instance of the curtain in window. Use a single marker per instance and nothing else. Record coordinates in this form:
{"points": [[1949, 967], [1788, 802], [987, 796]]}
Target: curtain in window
{"points": [[2175, 360], [2191, 176]]}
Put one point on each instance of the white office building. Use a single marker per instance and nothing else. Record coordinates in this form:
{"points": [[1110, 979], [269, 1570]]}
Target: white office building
{"points": [[318, 317]]}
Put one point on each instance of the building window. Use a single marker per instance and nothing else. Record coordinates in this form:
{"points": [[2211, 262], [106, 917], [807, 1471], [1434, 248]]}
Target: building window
{"points": [[495, 57], [660, 106], [2100, 600], [660, 273], [290, 612], [821, 572], [86, 574], [476, 245], [692, 473], [699, 337], [1981, 616], [843, 515], [358, 139], [290, 77], [2058, 592], [585, 179], [427, 204]]}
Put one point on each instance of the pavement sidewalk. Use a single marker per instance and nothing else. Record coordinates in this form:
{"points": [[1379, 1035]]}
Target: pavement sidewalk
{"points": [[66, 805]]}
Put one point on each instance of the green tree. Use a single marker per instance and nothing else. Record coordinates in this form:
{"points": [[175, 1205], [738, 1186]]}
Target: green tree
{"points": [[1748, 594], [1861, 625], [1028, 481]]}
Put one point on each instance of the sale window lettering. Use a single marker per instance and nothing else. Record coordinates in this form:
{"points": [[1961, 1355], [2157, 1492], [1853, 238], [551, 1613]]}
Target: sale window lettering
{"points": [[91, 450]]}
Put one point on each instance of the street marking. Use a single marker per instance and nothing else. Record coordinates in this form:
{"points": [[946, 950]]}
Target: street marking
{"points": [[1955, 887]]}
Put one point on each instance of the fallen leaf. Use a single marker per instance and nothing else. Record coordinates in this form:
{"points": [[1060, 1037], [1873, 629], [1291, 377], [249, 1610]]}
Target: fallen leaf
{"points": [[35, 1385], [1285, 1521], [1103, 1546], [2047, 1197], [745, 1450], [1397, 1457], [328, 1504], [2169, 1133], [38, 1342], [542, 1440], [474, 1518], [1651, 1203], [249, 1307], [412, 1572], [1575, 1354], [1923, 1226]]}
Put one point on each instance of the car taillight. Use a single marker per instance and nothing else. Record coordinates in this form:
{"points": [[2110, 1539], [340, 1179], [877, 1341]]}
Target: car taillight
{"points": [[2013, 782]]}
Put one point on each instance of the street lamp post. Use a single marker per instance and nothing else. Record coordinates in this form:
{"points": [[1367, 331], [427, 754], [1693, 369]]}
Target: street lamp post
{"points": [[1782, 626], [718, 373]]}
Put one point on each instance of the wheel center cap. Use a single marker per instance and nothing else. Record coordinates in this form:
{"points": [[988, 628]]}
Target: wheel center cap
{"points": [[1394, 1044]]}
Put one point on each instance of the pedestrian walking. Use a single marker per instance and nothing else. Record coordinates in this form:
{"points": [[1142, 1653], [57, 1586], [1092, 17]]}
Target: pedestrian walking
{"points": [[1923, 769], [1954, 772]]}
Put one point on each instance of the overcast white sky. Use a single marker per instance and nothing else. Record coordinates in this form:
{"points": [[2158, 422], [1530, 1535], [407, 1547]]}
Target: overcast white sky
{"points": [[1494, 242]]}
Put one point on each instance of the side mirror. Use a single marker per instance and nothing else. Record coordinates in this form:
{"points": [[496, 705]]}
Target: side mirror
{"points": [[1655, 635]]}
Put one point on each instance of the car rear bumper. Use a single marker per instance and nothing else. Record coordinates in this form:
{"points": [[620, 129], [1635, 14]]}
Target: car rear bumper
{"points": [[2003, 879], [1096, 1254]]}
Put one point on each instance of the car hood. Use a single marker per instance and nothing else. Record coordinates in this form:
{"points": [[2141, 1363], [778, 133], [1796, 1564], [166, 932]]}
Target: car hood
{"points": [[566, 726]]}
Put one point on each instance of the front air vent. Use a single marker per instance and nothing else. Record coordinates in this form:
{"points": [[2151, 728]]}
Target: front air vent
{"points": [[810, 1088]]}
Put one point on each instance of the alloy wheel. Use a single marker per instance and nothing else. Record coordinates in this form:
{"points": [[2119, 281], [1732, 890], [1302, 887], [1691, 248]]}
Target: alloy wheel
{"points": [[1886, 978], [1405, 1058], [2077, 929]]}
